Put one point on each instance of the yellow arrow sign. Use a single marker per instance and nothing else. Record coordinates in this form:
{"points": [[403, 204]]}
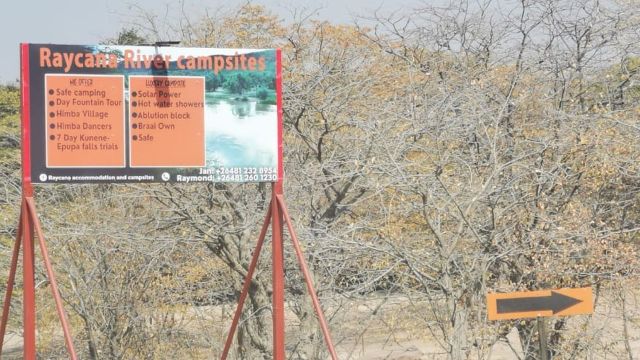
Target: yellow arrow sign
{"points": [[531, 304]]}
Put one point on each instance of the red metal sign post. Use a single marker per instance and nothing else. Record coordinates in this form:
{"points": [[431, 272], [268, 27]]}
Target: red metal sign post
{"points": [[277, 215], [27, 224], [277, 277]]}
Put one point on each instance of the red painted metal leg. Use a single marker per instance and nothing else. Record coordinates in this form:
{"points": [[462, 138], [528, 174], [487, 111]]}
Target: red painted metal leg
{"points": [[277, 279], [52, 280], [247, 283], [10, 282], [307, 278], [29, 288]]}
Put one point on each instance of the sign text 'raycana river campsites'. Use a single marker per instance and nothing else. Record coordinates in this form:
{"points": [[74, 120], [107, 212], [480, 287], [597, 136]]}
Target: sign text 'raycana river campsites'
{"points": [[104, 113]]}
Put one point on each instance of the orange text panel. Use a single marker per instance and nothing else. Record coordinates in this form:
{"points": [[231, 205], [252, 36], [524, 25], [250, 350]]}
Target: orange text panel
{"points": [[85, 121], [166, 120]]}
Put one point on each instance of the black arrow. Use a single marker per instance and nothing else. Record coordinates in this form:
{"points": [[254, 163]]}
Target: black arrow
{"points": [[556, 302]]}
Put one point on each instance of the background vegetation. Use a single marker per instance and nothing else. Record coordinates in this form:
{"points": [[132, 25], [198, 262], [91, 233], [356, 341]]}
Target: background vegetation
{"points": [[431, 157]]}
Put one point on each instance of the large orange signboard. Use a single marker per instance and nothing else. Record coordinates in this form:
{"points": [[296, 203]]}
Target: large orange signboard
{"points": [[101, 113], [544, 303]]}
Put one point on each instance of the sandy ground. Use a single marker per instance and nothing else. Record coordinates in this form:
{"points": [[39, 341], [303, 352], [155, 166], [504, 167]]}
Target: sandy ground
{"points": [[385, 337], [393, 331]]}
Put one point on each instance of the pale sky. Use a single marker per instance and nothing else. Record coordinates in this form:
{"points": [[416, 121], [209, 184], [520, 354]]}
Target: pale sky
{"points": [[86, 22]]}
